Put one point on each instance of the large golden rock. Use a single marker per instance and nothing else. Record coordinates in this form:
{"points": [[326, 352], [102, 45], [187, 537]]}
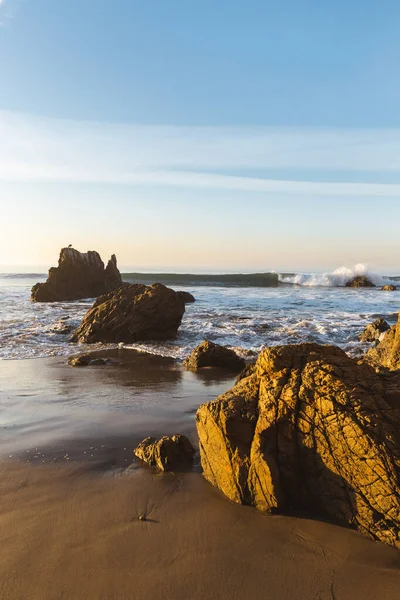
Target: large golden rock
{"points": [[310, 430]]}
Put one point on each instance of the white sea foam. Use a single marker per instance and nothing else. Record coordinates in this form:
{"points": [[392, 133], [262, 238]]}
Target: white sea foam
{"points": [[244, 318], [338, 278]]}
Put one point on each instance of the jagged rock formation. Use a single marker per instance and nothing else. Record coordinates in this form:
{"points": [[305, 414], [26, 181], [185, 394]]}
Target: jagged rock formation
{"points": [[312, 430], [187, 297], [133, 313], [168, 453], [208, 354], [389, 288], [78, 275], [373, 332], [360, 281], [387, 353]]}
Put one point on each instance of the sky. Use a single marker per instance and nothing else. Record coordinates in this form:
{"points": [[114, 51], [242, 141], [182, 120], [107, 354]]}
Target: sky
{"points": [[220, 136]]}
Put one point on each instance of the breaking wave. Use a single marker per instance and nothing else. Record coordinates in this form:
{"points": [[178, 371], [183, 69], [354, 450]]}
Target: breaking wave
{"points": [[338, 278]]}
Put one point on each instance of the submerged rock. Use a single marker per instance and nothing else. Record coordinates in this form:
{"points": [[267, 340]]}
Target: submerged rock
{"points": [[208, 354], [78, 275], [360, 281], [373, 332], [86, 359], [133, 313], [389, 288], [187, 297], [311, 430], [168, 453]]}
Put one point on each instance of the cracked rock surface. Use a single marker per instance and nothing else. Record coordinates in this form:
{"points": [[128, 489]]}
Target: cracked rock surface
{"points": [[311, 430]]}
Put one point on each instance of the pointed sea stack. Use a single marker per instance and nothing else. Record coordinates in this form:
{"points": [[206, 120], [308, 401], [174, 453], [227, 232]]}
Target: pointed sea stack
{"points": [[78, 275]]}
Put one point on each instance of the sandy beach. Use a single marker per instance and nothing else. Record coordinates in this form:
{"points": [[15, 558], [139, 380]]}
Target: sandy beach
{"points": [[74, 533], [80, 518]]}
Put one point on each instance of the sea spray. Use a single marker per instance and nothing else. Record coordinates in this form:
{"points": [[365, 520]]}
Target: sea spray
{"points": [[338, 278]]}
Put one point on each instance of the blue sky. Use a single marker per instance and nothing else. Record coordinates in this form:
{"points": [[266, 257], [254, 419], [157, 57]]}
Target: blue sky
{"points": [[213, 135]]}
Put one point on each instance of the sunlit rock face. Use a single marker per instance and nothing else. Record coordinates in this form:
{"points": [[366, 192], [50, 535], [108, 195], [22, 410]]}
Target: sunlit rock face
{"points": [[386, 355], [310, 429], [78, 275]]}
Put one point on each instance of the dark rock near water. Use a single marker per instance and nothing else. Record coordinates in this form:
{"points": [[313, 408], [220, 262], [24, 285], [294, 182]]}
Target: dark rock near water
{"points": [[133, 313], [389, 288], [86, 360], [208, 354], [309, 430], [187, 297], [61, 328], [168, 453], [360, 281], [374, 331], [78, 275]]}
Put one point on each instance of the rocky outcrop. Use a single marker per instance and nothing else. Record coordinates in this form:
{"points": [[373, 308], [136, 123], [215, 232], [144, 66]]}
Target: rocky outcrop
{"points": [[360, 281], [310, 430], [168, 454], [187, 297], [78, 275], [133, 313], [387, 353], [389, 288], [374, 331], [208, 354]]}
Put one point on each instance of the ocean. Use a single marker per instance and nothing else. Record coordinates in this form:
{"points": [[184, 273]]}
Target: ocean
{"points": [[246, 313]]}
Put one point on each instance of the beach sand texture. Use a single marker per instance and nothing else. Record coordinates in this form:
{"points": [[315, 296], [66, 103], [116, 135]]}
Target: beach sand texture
{"points": [[90, 523]]}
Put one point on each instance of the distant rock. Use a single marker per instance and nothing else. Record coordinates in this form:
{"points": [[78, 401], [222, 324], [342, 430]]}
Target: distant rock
{"points": [[309, 430], [168, 453], [360, 281], [78, 275], [389, 288], [133, 313], [373, 332], [208, 354], [187, 297]]}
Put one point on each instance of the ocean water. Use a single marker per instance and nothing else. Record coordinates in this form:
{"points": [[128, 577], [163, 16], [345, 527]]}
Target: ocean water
{"points": [[300, 308]]}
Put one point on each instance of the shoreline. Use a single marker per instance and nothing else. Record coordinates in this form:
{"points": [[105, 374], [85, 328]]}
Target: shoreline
{"points": [[72, 492]]}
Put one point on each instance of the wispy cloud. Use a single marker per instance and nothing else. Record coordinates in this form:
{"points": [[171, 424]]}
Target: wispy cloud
{"points": [[41, 149]]}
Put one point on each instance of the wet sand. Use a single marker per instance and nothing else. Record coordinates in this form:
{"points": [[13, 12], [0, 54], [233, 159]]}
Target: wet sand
{"points": [[70, 526], [49, 409]]}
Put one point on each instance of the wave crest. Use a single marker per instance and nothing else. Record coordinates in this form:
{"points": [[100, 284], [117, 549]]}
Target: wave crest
{"points": [[338, 278]]}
